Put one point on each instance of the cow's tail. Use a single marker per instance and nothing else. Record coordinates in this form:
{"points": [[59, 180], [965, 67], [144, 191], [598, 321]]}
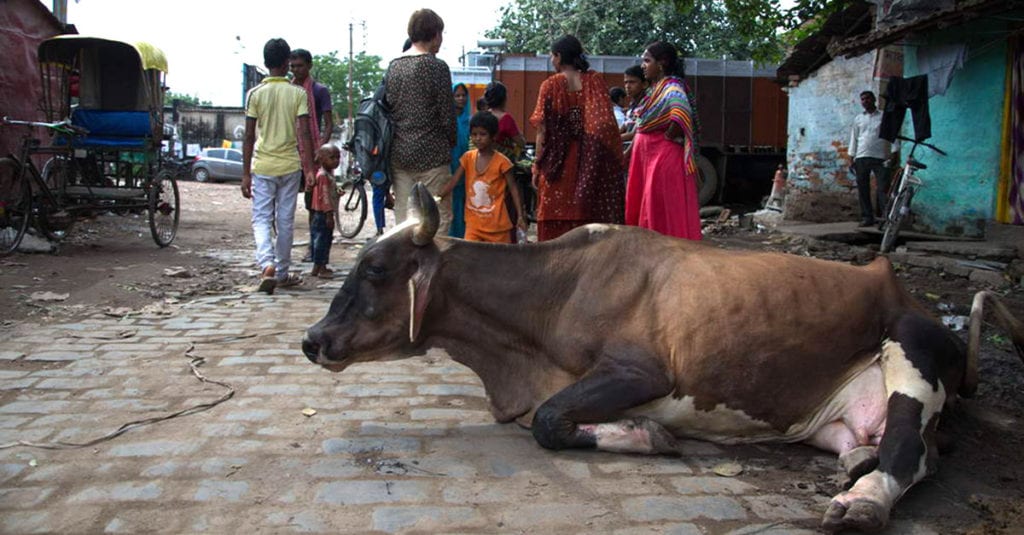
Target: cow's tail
{"points": [[1013, 326]]}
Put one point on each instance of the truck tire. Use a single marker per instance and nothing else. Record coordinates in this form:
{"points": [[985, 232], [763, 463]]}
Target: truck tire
{"points": [[707, 180]]}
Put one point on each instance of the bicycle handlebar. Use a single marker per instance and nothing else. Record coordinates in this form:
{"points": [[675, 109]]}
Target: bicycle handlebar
{"points": [[63, 126], [929, 145]]}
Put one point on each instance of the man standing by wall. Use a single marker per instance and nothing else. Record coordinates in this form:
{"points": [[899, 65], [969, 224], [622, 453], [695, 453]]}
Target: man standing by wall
{"points": [[419, 92], [271, 167], [318, 98], [871, 154]]}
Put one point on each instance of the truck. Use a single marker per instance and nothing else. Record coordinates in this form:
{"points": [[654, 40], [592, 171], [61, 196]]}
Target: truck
{"points": [[741, 108]]}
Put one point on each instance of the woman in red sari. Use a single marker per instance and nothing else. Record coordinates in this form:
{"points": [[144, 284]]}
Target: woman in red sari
{"points": [[662, 190], [578, 170]]}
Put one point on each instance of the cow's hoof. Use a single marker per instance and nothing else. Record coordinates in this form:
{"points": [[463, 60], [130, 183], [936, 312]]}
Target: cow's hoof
{"points": [[662, 442], [860, 515], [857, 462]]}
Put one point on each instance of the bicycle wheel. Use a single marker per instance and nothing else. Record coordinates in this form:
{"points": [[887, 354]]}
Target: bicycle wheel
{"points": [[15, 204], [895, 217], [163, 208], [51, 219], [351, 212]]}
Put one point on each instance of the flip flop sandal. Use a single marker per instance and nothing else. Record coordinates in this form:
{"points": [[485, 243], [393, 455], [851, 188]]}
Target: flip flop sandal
{"points": [[291, 280]]}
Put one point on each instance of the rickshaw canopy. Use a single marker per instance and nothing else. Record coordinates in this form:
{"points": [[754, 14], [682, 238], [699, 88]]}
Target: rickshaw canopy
{"points": [[102, 74], [65, 49]]}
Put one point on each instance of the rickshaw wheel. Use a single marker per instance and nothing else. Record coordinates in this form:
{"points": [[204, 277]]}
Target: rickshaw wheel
{"points": [[163, 208], [15, 205], [54, 222]]}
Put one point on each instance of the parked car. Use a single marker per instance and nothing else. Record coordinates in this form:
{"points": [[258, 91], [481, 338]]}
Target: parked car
{"points": [[214, 164]]}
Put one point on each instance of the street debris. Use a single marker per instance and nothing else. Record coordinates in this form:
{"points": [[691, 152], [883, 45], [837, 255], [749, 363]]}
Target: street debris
{"points": [[729, 469], [48, 297], [307, 412]]}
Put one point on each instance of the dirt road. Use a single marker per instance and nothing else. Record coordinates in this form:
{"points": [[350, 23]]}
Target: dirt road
{"points": [[111, 266]]}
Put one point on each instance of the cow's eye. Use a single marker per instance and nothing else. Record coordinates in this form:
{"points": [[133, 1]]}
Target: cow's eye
{"points": [[375, 272]]}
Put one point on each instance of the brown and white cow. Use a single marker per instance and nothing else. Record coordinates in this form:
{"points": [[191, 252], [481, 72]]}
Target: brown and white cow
{"points": [[621, 339]]}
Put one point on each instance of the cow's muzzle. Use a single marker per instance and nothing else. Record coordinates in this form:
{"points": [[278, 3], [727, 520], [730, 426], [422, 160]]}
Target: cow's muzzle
{"points": [[311, 349]]}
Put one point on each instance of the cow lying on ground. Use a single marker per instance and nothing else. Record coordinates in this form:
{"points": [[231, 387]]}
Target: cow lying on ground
{"points": [[621, 339]]}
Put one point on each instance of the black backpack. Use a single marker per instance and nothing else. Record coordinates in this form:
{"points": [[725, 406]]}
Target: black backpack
{"points": [[371, 137]]}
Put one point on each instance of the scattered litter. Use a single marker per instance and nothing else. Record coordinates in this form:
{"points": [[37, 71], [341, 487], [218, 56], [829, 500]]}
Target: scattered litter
{"points": [[178, 272], [48, 297], [933, 297], [33, 463], [35, 244], [729, 469], [307, 412], [956, 323]]}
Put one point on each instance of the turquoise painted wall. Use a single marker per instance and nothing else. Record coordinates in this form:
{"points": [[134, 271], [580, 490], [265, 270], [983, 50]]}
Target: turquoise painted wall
{"points": [[960, 190]]}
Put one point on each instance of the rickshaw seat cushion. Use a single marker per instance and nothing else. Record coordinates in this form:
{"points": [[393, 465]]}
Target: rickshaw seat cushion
{"points": [[113, 123], [112, 128]]}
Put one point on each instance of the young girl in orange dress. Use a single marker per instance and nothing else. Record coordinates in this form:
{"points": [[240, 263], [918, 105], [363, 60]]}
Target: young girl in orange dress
{"points": [[488, 176]]}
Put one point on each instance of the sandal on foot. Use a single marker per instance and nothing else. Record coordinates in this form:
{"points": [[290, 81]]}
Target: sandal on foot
{"points": [[325, 273], [268, 281], [290, 280]]}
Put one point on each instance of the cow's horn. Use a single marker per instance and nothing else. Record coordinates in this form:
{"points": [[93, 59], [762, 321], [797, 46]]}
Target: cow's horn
{"points": [[425, 209]]}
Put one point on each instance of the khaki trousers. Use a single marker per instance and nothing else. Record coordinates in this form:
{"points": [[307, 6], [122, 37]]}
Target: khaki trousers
{"points": [[434, 179]]}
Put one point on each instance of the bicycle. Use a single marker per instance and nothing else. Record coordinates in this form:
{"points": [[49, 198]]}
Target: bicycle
{"points": [[26, 193], [351, 213], [901, 193]]}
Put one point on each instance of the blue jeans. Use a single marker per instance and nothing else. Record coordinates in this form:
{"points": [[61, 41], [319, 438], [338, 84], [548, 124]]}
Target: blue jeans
{"points": [[380, 197], [321, 231], [273, 201]]}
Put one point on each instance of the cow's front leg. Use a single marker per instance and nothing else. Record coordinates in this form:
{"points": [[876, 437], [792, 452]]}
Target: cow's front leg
{"points": [[915, 362], [586, 414]]}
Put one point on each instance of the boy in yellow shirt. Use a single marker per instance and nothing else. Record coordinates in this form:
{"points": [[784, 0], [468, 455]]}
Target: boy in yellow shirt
{"points": [[488, 176]]}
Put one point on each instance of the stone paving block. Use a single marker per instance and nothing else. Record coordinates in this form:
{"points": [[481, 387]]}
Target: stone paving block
{"points": [[451, 390], [233, 429], [655, 508], [248, 416], [512, 490], [370, 445], [623, 486], [667, 529], [109, 405], [551, 517], [25, 522], [162, 469], [283, 390], [155, 448], [776, 506], [8, 421], [347, 492], [428, 519], [711, 485], [18, 384], [42, 407], [217, 490], [306, 521], [372, 391], [248, 360], [122, 492], [12, 374], [335, 468], [24, 497], [401, 428], [648, 466], [775, 528], [51, 356]]}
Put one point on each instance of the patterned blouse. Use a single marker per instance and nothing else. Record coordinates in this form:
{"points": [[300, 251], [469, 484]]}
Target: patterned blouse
{"points": [[419, 90]]}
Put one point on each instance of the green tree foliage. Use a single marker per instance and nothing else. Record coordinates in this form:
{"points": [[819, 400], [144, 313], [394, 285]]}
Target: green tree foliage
{"points": [[188, 100], [332, 71], [732, 29]]}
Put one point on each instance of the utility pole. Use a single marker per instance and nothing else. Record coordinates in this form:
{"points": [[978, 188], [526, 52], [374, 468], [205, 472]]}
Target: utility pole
{"points": [[350, 56]]}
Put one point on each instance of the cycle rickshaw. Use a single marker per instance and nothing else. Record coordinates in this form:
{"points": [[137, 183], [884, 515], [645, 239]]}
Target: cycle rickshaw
{"points": [[103, 106]]}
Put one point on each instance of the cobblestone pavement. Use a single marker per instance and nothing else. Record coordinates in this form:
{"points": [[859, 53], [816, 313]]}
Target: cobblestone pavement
{"points": [[393, 447]]}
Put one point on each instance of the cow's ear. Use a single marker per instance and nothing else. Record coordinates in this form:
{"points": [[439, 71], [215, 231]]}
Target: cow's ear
{"points": [[425, 210], [419, 297]]}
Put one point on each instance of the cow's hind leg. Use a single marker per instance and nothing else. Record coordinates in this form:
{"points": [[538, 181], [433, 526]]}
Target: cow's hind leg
{"points": [[586, 413], [917, 361]]}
